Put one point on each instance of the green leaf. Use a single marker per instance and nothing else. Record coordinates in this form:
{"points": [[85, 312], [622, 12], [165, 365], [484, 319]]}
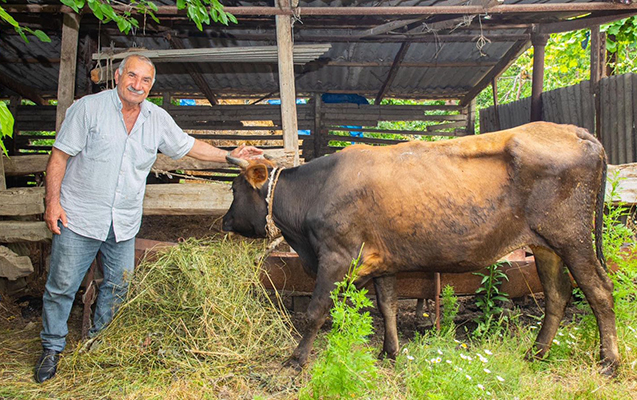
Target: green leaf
{"points": [[6, 124], [22, 35], [71, 3], [232, 18], [8, 18], [96, 8], [42, 36], [181, 4], [108, 11]]}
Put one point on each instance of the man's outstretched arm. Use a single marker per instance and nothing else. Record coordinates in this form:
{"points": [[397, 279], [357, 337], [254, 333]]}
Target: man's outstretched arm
{"points": [[203, 151]]}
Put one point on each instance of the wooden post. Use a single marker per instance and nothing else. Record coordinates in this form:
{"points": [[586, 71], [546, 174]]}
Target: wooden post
{"points": [[286, 82], [68, 65], [539, 43], [318, 129], [165, 103], [598, 61], [470, 110], [3, 182], [496, 105], [12, 146]]}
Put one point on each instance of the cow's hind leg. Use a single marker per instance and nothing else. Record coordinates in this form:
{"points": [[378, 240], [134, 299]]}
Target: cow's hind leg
{"points": [[387, 300], [598, 289], [557, 292]]}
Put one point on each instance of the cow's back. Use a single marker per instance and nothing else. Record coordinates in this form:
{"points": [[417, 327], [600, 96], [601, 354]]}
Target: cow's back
{"points": [[420, 203]]}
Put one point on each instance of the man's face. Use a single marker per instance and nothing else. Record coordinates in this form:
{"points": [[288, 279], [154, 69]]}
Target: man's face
{"points": [[134, 84]]}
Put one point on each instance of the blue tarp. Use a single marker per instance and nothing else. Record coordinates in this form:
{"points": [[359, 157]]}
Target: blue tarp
{"points": [[298, 101], [333, 98]]}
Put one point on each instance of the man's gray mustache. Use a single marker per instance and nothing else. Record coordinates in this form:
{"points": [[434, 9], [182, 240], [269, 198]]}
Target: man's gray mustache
{"points": [[140, 92]]}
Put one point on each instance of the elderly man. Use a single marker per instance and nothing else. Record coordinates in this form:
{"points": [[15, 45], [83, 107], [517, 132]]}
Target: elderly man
{"points": [[95, 181]]}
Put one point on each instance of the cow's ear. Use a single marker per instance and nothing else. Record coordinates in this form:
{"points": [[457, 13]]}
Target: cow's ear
{"points": [[256, 175]]}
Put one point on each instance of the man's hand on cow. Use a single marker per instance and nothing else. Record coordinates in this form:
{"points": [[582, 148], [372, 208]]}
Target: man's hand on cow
{"points": [[53, 214], [246, 152]]}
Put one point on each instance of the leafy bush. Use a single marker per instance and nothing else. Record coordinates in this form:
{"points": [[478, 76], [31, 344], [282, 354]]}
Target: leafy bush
{"points": [[488, 303], [450, 309]]}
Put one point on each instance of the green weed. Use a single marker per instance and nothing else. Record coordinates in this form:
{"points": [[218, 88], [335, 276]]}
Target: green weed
{"points": [[490, 298], [347, 366]]}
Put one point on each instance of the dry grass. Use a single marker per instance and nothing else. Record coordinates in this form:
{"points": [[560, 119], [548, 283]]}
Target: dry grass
{"points": [[198, 323]]}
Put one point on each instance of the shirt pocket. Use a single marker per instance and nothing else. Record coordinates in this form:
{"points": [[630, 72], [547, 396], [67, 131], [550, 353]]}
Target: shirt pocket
{"points": [[144, 157], [99, 145]]}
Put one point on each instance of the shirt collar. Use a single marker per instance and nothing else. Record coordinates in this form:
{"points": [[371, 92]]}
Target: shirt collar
{"points": [[145, 109]]}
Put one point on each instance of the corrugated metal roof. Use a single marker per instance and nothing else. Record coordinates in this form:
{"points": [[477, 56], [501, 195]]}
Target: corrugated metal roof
{"points": [[436, 65]]}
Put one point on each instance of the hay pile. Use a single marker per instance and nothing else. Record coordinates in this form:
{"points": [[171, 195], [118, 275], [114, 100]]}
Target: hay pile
{"points": [[197, 319]]}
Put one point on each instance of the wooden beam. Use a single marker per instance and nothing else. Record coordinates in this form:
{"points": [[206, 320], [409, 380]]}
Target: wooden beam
{"points": [[390, 26], [13, 266], [24, 231], [68, 65], [195, 73], [514, 52], [287, 87], [392, 72], [357, 11], [372, 64], [187, 199], [539, 44], [22, 201], [583, 23], [23, 90]]}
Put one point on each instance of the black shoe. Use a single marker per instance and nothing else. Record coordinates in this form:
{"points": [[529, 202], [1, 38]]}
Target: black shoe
{"points": [[47, 365]]}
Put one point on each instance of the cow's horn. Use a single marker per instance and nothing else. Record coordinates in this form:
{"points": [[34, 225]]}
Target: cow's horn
{"points": [[268, 157], [237, 161]]}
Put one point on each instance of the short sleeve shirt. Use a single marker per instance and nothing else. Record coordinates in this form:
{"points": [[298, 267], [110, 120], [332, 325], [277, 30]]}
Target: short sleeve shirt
{"points": [[105, 177]]}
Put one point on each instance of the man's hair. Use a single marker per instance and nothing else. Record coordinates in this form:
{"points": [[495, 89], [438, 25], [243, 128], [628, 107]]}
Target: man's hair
{"points": [[145, 59]]}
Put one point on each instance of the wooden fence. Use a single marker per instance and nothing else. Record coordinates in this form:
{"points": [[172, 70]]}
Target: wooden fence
{"points": [[261, 124], [576, 105]]}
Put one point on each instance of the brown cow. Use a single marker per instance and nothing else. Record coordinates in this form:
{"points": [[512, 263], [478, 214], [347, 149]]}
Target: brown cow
{"points": [[447, 206]]}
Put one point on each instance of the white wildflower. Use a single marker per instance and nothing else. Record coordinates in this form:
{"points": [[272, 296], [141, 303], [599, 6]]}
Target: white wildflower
{"points": [[557, 342], [468, 377], [487, 370], [488, 352], [501, 379], [410, 358], [480, 386], [439, 351]]}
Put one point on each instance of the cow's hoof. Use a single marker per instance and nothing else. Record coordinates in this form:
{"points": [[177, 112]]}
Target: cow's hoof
{"points": [[532, 355], [383, 355], [609, 369], [294, 364]]}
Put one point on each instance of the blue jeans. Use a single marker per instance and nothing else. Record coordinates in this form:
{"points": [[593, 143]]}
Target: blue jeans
{"points": [[71, 257]]}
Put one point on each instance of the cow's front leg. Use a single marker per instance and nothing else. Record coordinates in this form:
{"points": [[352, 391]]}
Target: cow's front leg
{"points": [[316, 314], [387, 300]]}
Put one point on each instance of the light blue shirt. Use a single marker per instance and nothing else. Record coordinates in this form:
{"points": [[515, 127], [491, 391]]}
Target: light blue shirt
{"points": [[105, 177]]}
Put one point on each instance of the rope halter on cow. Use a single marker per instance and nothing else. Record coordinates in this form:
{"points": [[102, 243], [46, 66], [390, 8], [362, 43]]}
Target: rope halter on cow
{"points": [[271, 229]]}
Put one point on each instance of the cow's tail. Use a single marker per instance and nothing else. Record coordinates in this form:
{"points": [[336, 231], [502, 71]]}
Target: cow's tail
{"points": [[599, 215]]}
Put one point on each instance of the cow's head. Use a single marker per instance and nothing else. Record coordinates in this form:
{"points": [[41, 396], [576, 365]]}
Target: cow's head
{"points": [[248, 210]]}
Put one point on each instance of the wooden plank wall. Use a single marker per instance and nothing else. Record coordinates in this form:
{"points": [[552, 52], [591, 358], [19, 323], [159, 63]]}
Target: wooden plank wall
{"points": [[244, 123], [575, 105]]}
